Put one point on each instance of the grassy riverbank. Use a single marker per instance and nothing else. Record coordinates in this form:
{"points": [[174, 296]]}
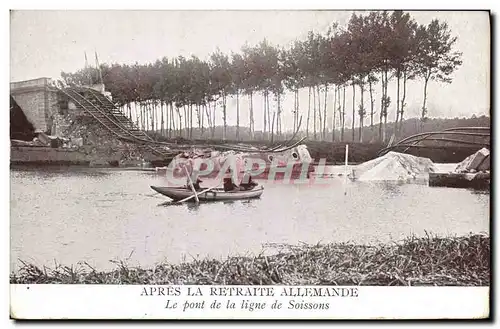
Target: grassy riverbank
{"points": [[414, 261]]}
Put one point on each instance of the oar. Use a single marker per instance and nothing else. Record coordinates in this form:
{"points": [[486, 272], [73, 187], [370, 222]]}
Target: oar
{"points": [[192, 196], [192, 186]]}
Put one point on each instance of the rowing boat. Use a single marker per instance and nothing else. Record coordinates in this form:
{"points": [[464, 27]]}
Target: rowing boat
{"points": [[215, 194]]}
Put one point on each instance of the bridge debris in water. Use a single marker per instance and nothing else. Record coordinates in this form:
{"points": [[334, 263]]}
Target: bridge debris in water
{"points": [[472, 172], [260, 163]]}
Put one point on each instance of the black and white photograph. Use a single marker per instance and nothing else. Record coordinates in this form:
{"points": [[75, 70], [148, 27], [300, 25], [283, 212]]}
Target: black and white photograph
{"points": [[250, 164]]}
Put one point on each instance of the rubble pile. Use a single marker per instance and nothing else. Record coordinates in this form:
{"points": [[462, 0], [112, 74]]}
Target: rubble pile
{"points": [[394, 166], [85, 135], [472, 172], [477, 162]]}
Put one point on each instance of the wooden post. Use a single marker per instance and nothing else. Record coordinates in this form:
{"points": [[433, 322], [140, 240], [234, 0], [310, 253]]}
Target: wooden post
{"points": [[192, 186]]}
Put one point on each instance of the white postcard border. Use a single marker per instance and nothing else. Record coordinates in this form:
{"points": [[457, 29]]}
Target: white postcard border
{"points": [[199, 302]]}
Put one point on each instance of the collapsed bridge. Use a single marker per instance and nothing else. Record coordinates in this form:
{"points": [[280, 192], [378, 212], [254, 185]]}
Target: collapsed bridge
{"points": [[83, 122]]}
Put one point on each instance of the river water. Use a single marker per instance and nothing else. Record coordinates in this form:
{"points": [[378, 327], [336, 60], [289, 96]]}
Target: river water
{"points": [[102, 215]]}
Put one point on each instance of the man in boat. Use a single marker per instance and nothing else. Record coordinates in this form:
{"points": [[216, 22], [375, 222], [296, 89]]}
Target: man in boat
{"points": [[196, 183], [247, 182], [228, 181]]}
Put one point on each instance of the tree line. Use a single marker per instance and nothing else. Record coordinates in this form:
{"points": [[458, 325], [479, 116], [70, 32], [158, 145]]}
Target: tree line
{"points": [[373, 50]]}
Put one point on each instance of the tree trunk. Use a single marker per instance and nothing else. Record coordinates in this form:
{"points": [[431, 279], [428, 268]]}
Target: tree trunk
{"points": [[237, 115], [143, 124], [186, 122], [191, 121], [162, 127], [165, 106], [386, 106], [343, 116], [190, 113], [209, 116], [172, 121], [424, 108], [385, 127], [146, 117], [198, 116], [152, 109], [252, 123], [334, 112], [152, 116], [402, 104], [268, 113], [382, 100], [278, 118], [398, 79], [295, 110], [272, 128], [265, 115], [137, 111], [137, 118], [224, 113], [314, 113], [214, 120], [353, 110], [203, 111], [320, 116], [361, 111], [162, 119], [169, 119], [308, 113], [324, 112], [180, 120], [156, 116], [139, 115], [372, 107]]}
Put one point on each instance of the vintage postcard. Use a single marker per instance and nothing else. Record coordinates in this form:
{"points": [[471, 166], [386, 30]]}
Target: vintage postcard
{"points": [[250, 164]]}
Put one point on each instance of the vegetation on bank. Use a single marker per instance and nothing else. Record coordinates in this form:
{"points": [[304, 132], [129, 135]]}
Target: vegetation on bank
{"points": [[408, 127], [361, 152], [460, 261], [356, 61]]}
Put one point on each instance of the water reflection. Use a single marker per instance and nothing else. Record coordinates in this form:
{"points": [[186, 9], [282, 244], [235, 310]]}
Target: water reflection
{"points": [[98, 215], [193, 207], [392, 189]]}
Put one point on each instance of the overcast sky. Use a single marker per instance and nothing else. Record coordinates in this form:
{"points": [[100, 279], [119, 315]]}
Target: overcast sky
{"points": [[44, 43]]}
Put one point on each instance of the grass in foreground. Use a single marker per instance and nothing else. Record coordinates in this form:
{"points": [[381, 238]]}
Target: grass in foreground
{"points": [[462, 261]]}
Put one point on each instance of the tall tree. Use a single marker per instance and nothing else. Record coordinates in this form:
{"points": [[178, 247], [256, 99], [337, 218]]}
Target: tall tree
{"points": [[294, 76], [237, 78], [402, 54], [435, 59], [221, 77]]}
